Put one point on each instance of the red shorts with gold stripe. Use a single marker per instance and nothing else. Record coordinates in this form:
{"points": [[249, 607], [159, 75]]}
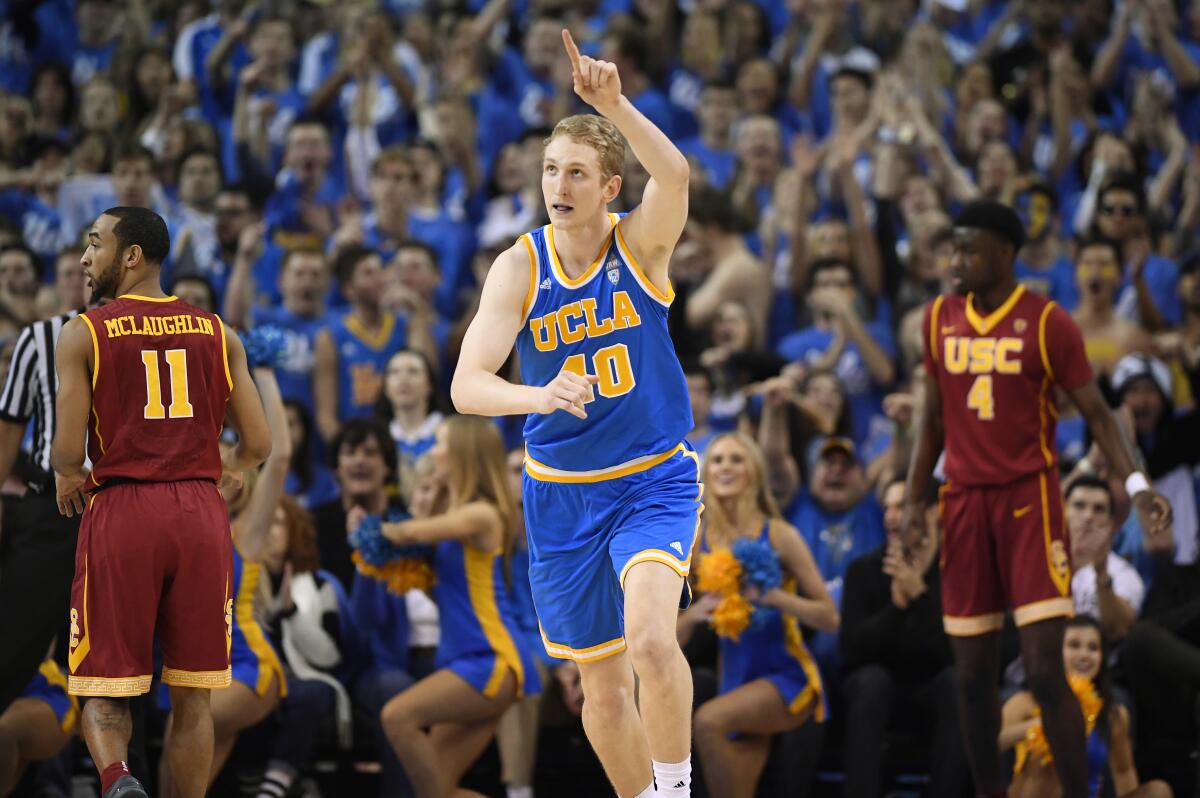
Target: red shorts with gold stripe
{"points": [[1004, 547], [153, 558]]}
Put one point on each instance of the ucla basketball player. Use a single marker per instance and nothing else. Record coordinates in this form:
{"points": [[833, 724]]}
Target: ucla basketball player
{"points": [[611, 491]]}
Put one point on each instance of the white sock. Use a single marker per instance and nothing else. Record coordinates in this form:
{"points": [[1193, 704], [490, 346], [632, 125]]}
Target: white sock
{"points": [[674, 780], [520, 792], [648, 792]]}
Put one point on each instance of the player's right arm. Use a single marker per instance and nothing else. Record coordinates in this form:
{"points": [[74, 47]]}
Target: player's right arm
{"points": [[245, 411], [929, 439], [72, 408], [476, 388]]}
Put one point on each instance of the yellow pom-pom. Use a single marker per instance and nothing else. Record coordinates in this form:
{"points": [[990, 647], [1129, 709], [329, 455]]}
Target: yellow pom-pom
{"points": [[718, 572], [732, 616], [1035, 742], [400, 576]]}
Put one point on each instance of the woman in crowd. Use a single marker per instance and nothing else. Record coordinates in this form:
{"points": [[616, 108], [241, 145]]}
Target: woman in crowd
{"points": [[483, 665], [408, 405], [769, 683], [258, 680], [1108, 742]]}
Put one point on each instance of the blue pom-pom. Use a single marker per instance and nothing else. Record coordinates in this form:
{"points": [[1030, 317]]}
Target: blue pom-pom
{"points": [[264, 346], [377, 550], [760, 564]]}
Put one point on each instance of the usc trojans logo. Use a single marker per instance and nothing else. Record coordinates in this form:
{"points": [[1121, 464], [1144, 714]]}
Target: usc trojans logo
{"points": [[74, 628], [1061, 565]]}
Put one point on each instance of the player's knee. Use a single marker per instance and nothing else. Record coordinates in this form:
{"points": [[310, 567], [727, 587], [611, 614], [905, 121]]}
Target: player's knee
{"points": [[606, 708], [653, 652]]}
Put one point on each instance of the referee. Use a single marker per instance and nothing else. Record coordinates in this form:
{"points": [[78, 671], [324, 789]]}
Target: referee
{"points": [[37, 544]]}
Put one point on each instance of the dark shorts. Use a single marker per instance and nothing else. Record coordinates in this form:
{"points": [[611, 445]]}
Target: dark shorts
{"points": [[153, 558], [1004, 547]]}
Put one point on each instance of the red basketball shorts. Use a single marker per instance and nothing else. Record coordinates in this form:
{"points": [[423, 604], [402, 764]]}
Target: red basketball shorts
{"points": [[1004, 546], [153, 557]]}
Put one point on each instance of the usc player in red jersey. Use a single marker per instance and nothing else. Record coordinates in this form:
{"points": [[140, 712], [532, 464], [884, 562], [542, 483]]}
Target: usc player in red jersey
{"points": [[147, 380], [994, 355]]}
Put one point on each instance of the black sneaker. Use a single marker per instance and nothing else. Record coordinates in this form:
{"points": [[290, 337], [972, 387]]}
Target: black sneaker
{"points": [[127, 787]]}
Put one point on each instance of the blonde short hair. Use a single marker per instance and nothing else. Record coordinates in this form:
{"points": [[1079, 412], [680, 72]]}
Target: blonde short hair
{"points": [[598, 133]]}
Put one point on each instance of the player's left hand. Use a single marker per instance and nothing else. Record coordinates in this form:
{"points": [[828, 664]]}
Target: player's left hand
{"points": [[596, 82], [1155, 516], [69, 489]]}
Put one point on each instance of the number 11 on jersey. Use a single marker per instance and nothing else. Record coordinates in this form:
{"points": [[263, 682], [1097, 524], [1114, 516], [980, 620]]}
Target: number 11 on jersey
{"points": [[180, 407]]}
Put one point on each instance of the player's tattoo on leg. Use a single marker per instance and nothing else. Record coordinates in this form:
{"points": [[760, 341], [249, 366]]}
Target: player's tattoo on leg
{"points": [[108, 715]]}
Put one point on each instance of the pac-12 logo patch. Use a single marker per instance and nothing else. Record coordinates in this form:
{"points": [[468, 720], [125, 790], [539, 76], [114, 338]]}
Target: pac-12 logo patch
{"points": [[613, 269]]}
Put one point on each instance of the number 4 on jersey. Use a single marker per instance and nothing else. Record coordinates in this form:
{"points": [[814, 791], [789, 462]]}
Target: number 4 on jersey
{"points": [[980, 398], [177, 363], [611, 365]]}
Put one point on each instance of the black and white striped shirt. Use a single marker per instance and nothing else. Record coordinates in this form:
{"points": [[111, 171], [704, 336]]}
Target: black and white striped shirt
{"points": [[32, 385]]}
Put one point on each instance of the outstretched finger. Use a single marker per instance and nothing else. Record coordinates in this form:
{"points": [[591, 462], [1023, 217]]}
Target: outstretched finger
{"points": [[572, 50]]}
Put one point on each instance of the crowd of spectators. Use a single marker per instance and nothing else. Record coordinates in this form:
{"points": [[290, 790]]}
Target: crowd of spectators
{"points": [[347, 172]]}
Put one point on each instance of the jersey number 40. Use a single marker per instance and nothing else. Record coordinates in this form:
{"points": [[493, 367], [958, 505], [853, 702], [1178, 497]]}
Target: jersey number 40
{"points": [[611, 364], [180, 406]]}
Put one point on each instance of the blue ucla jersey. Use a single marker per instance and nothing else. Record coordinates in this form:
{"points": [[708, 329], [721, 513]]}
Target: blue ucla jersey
{"points": [[362, 361], [480, 637], [612, 322], [251, 657]]}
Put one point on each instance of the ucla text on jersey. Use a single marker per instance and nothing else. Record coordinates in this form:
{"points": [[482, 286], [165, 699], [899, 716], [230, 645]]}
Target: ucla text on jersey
{"points": [[611, 321]]}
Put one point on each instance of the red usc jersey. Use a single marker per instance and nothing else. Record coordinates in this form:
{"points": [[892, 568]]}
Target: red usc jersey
{"points": [[159, 389], [996, 375]]}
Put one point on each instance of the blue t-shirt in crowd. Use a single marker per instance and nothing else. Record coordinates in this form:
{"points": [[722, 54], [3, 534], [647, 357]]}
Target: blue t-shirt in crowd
{"points": [[295, 371], [1056, 283], [381, 617], [837, 538], [719, 165], [41, 228]]}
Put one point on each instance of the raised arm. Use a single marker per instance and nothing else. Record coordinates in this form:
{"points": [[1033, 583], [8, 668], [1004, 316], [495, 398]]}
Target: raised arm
{"points": [[325, 388], [253, 523], [73, 359], [476, 387], [245, 412], [783, 475], [653, 227]]}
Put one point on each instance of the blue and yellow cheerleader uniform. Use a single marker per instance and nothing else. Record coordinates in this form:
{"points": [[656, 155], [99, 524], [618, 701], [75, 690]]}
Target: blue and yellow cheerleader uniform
{"points": [[49, 685], [480, 639], [775, 651], [620, 487], [251, 657]]}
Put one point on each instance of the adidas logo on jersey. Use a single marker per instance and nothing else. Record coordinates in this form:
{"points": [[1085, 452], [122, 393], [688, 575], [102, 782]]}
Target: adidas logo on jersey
{"points": [[678, 547], [546, 284]]}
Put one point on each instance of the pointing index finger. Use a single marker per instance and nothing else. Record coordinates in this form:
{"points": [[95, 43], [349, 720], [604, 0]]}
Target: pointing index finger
{"points": [[572, 50]]}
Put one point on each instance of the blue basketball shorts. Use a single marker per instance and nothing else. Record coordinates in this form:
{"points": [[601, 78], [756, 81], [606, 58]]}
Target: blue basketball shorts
{"points": [[585, 536]]}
